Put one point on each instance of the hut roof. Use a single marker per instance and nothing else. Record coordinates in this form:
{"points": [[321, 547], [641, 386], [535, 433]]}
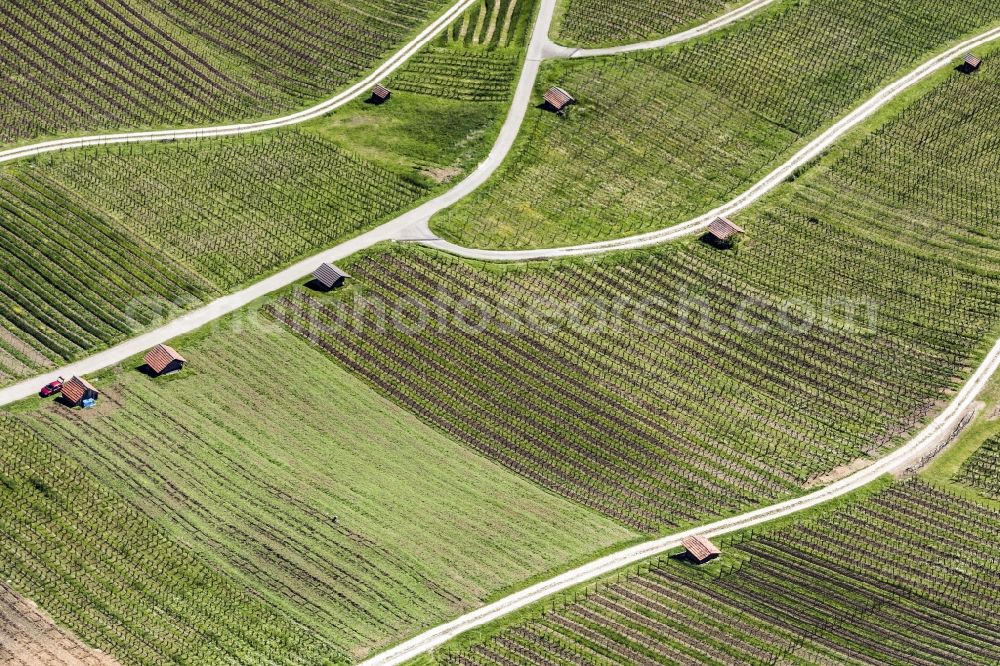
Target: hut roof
{"points": [[161, 356], [972, 60], [329, 275], [558, 98], [380, 91], [700, 548], [723, 228], [76, 389]]}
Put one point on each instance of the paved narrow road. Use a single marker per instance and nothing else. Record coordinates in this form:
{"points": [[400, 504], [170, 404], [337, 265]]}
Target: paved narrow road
{"points": [[772, 180], [411, 225]]}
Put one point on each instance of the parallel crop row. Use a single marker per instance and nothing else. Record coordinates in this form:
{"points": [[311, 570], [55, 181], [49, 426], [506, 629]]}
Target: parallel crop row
{"points": [[283, 545], [906, 577], [99, 244], [620, 21], [828, 334], [931, 178], [93, 64], [72, 279], [471, 75], [299, 483], [659, 137], [491, 24], [236, 209], [120, 583], [674, 384], [982, 469]]}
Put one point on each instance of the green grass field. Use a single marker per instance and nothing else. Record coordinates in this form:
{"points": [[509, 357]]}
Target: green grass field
{"points": [[246, 457], [89, 65], [683, 382], [600, 22], [660, 137], [901, 577]]}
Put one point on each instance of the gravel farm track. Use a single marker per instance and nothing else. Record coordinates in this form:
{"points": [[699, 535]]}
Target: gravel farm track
{"points": [[413, 226]]}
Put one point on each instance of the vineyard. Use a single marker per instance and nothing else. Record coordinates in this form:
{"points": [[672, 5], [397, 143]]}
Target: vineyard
{"points": [[907, 576], [295, 480], [821, 340], [477, 59], [189, 220], [118, 581], [491, 24], [88, 65], [236, 209], [593, 22], [982, 469], [660, 137], [469, 75], [63, 292], [931, 178]]}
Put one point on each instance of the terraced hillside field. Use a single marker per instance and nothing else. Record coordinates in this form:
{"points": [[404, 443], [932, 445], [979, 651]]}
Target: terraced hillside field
{"points": [[659, 137], [669, 385], [86, 65], [907, 576], [102, 243], [594, 22], [282, 474], [235, 209]]}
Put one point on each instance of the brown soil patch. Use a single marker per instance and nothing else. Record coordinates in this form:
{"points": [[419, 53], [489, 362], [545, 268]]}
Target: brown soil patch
{"points": [[442, 174], [29, 637]]}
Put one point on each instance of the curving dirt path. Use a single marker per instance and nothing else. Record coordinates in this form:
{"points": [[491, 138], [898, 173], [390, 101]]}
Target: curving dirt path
{"points": [[687, 35]]}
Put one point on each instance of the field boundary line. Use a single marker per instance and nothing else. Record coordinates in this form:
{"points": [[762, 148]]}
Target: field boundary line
{"points": [[927, 439]]}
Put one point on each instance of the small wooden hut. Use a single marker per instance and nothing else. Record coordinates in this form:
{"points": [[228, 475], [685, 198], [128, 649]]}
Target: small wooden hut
{"points": [[558, 99], [163, 360], [972, 62], [78, 391], [380, 93], [700, 549], [329, 276], [723, 229]]}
